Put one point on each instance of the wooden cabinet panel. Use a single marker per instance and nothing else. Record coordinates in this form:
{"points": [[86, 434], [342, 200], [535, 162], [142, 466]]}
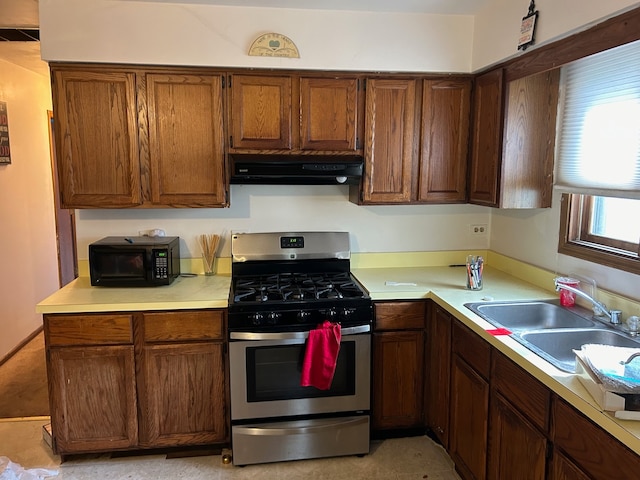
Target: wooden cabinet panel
{"points": [[529, 141], [471, 348], [328, 113], [592, 449], [260, 112], [88, 329], [93, 398], [183, 394], [517, 448], [486, 142], [186, 139], [446, 108], [183, 326], [389, 140], [400, 315], [469, 419], [531, 397], [398, 371], [563, 469], [438, 379], [97, 138]]}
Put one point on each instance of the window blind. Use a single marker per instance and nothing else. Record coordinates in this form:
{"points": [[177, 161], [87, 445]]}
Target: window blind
{"points": [[599, 145]]}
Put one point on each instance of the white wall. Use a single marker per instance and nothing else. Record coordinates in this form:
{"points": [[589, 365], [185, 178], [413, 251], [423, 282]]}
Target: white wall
{"points": [[27, 235], [196, 34], [497, 26]]}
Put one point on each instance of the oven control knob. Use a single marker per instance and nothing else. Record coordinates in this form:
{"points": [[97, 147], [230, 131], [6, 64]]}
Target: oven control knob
{"points": [[273, 317], [303, 315], [256, 318], [332, 314], [346, 312]]}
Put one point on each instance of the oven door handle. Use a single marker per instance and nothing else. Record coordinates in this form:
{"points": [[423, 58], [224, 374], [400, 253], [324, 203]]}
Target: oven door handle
{"points": [[280, 431], [292, 335]]}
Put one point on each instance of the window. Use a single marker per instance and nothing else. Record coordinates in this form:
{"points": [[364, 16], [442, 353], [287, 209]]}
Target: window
{"points": [[598, 164]]}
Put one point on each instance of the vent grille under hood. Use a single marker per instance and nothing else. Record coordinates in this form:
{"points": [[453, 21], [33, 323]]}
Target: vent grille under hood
{"points": [[296, 169]]}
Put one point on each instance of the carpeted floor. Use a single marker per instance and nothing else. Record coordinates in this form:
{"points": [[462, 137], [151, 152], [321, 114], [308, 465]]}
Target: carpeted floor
{"points": [[23, 382]]}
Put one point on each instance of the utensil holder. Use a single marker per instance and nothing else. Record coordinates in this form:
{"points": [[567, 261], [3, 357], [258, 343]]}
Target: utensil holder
{"points": [[474, 272]]}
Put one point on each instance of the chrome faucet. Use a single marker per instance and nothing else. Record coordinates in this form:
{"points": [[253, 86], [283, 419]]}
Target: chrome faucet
{"points": [[613, 315]]}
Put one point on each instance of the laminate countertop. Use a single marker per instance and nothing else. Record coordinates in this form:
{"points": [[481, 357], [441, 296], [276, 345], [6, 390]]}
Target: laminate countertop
{"points": [[442, 284]]}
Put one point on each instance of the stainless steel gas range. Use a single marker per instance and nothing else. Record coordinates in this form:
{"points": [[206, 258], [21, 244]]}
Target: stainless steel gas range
{"points": [[283, 286]]}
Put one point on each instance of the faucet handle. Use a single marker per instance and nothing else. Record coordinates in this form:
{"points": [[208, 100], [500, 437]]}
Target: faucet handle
{"points": [[615, 316]]}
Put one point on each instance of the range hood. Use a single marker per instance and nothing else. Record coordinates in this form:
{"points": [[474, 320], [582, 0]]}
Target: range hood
{"points": [[296, 169]]}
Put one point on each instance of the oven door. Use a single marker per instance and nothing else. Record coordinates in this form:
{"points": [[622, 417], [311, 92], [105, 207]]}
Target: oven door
{"points": [[265, 370]]}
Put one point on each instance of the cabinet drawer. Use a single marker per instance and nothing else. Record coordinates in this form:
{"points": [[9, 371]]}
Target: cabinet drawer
{"points": [[473, 349], [596, 452], [88, 329], [183, 325], [400, 315], [530, 396]]}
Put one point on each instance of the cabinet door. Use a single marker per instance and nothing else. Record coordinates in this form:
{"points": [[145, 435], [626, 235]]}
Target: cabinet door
{"points": [[328, 113], [518, 449], [96, 138], [563, 469], [445, 136], [186, 140], [398, 372], [486, 141], [93, 398], [184, 394], [389, 141], [469, 414], [439, 372], [260, 112]]}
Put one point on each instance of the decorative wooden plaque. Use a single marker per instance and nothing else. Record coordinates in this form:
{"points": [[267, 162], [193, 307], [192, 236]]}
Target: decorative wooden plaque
{"points": [[273, 45]]}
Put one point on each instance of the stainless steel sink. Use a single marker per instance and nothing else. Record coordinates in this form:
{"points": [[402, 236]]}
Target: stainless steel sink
{"points": [[556, 346], [550, 330], [519, 316]]}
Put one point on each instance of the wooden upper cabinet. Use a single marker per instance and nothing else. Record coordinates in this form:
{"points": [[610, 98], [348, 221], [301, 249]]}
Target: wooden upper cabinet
{"points": [[328, 113], [97, 138], [445, 136], [186, 139], [389, 140], [260, 112], [514, 140], [486, 142]]}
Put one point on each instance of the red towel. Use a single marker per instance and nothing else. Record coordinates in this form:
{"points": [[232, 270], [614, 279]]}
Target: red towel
{"points": [[321, 355]]}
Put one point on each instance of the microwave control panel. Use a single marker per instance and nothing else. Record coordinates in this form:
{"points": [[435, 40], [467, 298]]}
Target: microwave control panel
{"points": [[161, 263]]}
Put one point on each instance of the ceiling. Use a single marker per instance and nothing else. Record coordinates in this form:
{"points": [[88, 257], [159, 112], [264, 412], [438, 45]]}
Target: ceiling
{"points": [[24, 14]]}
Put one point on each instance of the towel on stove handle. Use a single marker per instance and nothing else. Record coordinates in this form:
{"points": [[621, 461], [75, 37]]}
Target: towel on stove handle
{"points": [[321, 355]]}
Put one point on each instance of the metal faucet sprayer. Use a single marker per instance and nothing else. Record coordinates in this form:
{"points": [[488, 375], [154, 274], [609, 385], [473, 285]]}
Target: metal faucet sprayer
{"points": [[614, 315]]}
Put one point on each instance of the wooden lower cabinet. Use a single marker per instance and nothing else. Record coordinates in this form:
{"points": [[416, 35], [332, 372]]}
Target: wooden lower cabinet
{"points": [[113, 389], [564, 469], [398, 365], [517, 448], [438, 373], [92, 393]]}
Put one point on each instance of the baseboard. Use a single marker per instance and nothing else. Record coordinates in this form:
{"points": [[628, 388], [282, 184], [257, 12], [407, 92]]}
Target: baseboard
{"points": [[19, 346]]}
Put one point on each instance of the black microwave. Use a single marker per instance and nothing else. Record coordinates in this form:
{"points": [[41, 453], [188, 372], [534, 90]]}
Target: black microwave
{"points": [[134, 261]]}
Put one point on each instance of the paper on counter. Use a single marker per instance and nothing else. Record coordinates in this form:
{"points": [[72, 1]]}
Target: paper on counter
{"points": [[400, 284]]}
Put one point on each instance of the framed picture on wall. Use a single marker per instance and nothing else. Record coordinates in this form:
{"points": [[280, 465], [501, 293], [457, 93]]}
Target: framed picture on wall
{"points": [[5, 151]]}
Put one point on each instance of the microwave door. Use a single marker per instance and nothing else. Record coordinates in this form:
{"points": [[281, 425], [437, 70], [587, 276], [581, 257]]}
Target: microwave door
{"points": [[120, 267]]}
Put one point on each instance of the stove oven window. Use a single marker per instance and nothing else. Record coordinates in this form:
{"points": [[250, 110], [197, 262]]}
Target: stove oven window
{"points": [[273, 373]]}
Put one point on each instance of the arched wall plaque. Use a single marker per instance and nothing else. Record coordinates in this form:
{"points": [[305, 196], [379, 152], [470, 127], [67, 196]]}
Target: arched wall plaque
{"points": [[274, 45]]}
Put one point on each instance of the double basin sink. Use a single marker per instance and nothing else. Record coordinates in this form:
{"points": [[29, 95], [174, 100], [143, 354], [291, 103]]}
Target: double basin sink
{"points": [[550, 330]]}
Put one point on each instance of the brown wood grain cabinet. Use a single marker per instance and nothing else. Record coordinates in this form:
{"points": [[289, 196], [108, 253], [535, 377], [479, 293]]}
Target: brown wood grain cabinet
{"points": [[470, 369], [438, 373], [513, 140], [96, 130], [291, 113], [136, 380], [132, 137], [446, 107], [398, 365], [389, 146]]}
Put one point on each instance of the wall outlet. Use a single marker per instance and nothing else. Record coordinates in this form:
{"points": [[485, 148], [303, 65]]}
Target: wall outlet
{"points": [[479, 229]]}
